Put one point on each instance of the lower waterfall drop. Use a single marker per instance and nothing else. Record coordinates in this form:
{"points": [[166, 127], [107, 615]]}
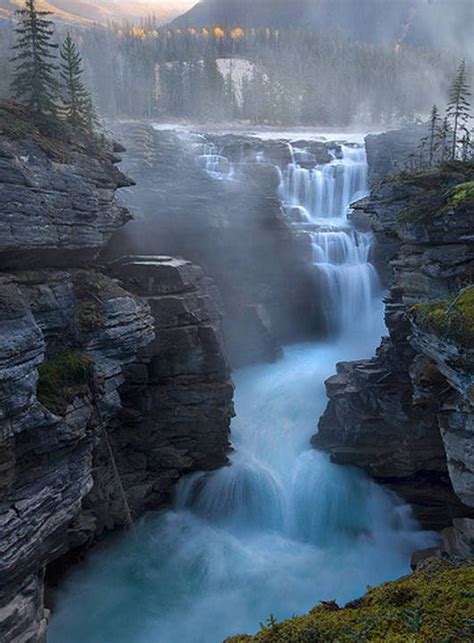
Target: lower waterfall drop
{"points": [[281, 528]]}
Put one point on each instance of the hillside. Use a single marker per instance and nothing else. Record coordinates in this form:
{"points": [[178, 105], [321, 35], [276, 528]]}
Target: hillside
{"points": [[416, 21], [85, 11]]}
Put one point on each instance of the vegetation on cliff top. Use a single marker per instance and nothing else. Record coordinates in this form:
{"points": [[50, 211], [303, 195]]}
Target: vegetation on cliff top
{"points": [[439, 189], [451, 318], [435, 603], [51, 135], [62, 378]]}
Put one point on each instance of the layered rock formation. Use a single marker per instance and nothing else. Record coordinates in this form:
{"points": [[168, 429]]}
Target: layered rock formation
{"points": [[113, 380], [50, 425], [58, 205], [406, 415], [214, 200]]}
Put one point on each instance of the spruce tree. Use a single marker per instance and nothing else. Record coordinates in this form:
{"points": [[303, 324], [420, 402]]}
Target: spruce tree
{"points": [[458, 105], [34, 79], [434, 124], [444, 138], [77, 105]]}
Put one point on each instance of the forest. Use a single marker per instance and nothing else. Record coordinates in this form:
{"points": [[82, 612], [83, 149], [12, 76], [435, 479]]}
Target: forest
{"points": [[258, 75]]}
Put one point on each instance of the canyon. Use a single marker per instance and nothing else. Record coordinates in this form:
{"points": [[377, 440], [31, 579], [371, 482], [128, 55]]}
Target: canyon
{"points": [[118, 341]]}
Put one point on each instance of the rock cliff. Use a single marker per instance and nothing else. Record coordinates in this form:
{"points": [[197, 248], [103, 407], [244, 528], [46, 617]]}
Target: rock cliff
{"points": [[113, 379], [406, 415]]}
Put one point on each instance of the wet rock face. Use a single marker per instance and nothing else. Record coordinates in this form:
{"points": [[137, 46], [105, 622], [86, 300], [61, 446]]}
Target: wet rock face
{"points": [[177, 399], [57, 209], [145, 374], [456, 413], [387, 422], [234, 229], [47, 440], [406, 416]]}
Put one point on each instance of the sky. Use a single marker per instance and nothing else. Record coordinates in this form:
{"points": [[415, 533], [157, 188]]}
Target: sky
{"points": [[180, 5]]}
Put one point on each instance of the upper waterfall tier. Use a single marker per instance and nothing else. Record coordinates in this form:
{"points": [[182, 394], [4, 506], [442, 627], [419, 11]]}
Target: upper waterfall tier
{"points": [[326, 191]]}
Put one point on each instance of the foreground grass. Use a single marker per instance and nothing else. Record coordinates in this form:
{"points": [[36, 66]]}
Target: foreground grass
{"points": [[434, 604]]}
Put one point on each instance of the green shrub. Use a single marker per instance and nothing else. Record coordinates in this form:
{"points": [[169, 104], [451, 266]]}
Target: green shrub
{"points": [[62, 378]]}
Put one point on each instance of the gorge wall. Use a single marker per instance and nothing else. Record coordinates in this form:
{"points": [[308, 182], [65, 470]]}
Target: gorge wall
{"points": [[406, 415], [114, 380], [104, 370]]}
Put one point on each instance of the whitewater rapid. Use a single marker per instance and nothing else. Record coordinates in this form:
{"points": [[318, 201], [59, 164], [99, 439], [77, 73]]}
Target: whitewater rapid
{"points": [[282, 527]]}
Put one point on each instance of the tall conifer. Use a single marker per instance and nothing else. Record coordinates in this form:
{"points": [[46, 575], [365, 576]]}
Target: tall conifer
{"points": [[458, 105], [434, 124], [443, 138], [77, 104], [34, 80]]}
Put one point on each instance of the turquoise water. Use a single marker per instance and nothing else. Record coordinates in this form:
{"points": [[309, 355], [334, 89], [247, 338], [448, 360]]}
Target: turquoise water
{"points": [[276, 532]]}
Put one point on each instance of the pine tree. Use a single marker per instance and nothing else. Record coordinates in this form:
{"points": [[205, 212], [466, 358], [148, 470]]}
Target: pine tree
{"points": [[34, 80], [458, 106], [434, 124], [77, 104]]}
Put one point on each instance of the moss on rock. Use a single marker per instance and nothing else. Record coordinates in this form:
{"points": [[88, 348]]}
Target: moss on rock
{"points": [[450, 318], [462, 195], [62, 378], [440, 190], [89, 314], [434, 604]]}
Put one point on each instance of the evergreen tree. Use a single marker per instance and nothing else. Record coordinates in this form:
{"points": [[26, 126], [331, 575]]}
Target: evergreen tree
{"points": [[466, 145], [434, 125], [443, 138], [77, 104], [34, 80], [458, 105]]}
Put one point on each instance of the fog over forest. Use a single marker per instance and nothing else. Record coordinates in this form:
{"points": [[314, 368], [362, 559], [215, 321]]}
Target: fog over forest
{"points": [[333, 63]]}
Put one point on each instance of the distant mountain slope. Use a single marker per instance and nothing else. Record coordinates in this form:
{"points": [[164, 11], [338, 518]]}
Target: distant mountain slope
{"points": [[95, 10], [439, 23]]}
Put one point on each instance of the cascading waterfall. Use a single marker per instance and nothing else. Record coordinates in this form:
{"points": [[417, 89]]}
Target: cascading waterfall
{"points": [[282, 527], [215, 165], [326, 190], [344, 276]]}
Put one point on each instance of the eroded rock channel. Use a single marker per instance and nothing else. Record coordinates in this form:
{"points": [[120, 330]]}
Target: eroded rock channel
{"points": [[116, 352]]}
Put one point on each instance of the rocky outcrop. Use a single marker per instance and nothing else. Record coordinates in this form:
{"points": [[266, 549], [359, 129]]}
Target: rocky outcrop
{"points": [[177, 398], [214, 200], [113, 379], [58, 205], [406, 415]]}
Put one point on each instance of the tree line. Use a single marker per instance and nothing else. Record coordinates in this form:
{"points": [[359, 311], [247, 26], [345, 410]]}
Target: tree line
{"points": [[293, 77], [449, 137]]}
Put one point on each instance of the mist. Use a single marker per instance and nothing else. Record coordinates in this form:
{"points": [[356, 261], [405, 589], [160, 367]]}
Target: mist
{"points": [[332, 64], [236, 320]]}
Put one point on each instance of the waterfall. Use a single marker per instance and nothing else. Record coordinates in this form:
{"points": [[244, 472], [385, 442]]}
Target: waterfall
{"points": [[346, 281], [327, 190], [282, 527], [215, 165]]}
